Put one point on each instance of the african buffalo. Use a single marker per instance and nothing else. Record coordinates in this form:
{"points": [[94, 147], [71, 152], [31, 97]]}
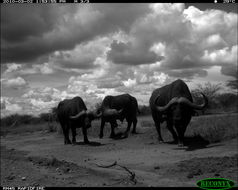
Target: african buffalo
{"points": [[119, 107], [173, 103], [72, 114]]}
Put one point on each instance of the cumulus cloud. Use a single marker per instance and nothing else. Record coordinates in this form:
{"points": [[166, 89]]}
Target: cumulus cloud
{"points": [[68, 35], [24, 69], [95, 50], [9, 106], [3, 105], [40, 99], [111, 82], [127, 53], [14, 108], [181, 43], [82, 56], [13, 67], [44, 68], [52, 28], [129, 82], [41, 20], [18, 82], [222, 56], [46, 93]]}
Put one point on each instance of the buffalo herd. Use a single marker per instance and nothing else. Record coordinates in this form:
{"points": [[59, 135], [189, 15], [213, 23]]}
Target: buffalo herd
{"points": [[172, 103]]}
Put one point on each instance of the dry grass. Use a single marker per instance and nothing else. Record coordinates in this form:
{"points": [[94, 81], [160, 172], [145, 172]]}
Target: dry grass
{"points": [[29, 128], [213, 128]]}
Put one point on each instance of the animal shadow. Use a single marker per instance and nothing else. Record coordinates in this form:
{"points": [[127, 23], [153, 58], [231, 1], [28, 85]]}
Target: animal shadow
{"points": [[119, 136], [195, 142], [137, 133], [171, 142], [91, 143]]}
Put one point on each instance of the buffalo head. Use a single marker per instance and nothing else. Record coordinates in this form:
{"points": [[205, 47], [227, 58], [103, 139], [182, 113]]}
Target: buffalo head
{"points": [[88, 116], [179, 102], [108, 112], [178, 112]]}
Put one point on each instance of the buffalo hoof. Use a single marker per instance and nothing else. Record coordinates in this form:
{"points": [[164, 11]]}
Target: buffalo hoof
{"points": [[100, 136], [161, 141], [112, 136], [124, 136], [174, 142], [134, 132], [180, 145], [87, 142], [67, 142]]}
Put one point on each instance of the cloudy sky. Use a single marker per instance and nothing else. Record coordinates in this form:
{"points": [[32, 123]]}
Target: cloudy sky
{"points": [[51, 52]]}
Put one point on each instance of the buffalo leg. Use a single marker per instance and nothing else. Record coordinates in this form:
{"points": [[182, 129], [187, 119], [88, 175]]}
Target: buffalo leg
{"points": [[73, 129], [180, 130], [113, 125], [157, 126], [171, 129], [66, 135], [128, 128], [85, 137], [101, 128], [134, 126]]}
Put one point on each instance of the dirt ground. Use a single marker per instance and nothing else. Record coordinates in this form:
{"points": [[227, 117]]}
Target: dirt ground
{"points": [[41, 159]]}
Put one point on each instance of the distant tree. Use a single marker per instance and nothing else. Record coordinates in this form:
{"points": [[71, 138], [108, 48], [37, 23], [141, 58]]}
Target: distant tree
{"points": [[25, 119], [228, 100], [144, 110], [210, 90], [53, 114], [54, 110], [44, 117], [233, 84], [10, 120]]}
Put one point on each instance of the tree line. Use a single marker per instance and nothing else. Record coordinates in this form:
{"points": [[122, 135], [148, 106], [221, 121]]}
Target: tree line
{"points": [[218, 102]]}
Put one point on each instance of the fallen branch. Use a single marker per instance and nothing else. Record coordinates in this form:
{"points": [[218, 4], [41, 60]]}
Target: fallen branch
{"points": [[14, 123], [132, 174]]}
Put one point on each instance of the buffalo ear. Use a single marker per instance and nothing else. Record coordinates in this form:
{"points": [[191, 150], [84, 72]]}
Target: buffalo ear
{"points": [[94, 114], [98, 114], [120, 111], [194, 112]]}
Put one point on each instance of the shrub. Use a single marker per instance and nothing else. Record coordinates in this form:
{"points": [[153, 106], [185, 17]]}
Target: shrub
{"points": [[214, 128]]}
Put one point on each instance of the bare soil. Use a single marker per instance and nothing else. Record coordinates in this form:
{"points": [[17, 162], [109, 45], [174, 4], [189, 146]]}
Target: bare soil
{"points": [[41, 159]]}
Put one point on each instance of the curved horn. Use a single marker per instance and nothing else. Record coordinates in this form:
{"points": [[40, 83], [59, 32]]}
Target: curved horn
{"points": [[95, 114], [78, 115], [112, 112], [195, 106], [120, 111], [164, 108]]}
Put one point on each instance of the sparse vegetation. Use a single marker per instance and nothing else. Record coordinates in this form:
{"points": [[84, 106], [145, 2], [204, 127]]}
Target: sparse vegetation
{"points": [[214, 128], [27, 123], [217, 102]]}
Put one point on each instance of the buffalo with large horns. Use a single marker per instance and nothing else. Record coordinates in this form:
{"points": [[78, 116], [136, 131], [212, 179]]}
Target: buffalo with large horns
{"points": [[173, 103], [120, 107], [72, 114]]}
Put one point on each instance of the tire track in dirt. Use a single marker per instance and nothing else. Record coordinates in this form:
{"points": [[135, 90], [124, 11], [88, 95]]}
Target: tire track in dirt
{"points": [[52, 163]]}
